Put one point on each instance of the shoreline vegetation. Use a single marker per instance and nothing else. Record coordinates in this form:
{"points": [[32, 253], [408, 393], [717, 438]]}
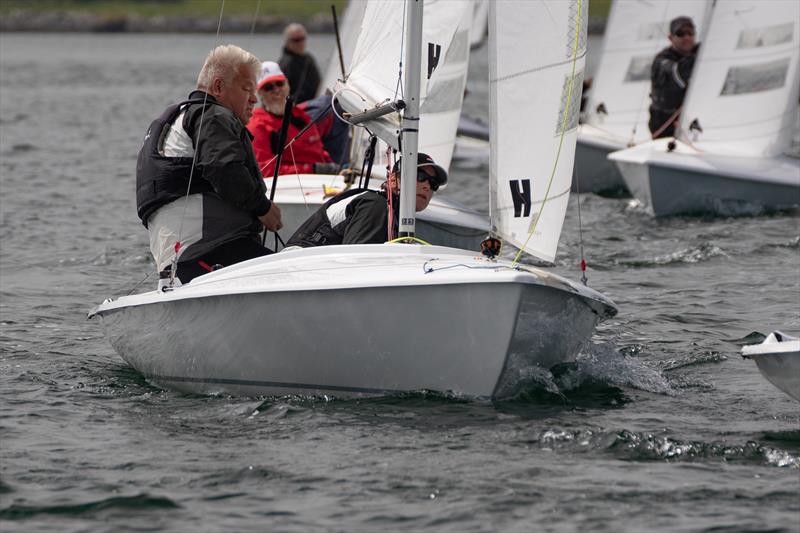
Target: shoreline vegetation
{"points": [[189, 16]]}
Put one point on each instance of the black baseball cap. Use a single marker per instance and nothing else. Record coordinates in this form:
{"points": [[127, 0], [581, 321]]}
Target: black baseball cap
{"points": [[678, 23], [424, 160]]}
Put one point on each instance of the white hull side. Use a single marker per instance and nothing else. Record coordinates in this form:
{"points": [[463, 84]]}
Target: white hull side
{"points": [[596, 173], [778, 360], [682, 183], [474, 338], [782, 370], [445, 222]]}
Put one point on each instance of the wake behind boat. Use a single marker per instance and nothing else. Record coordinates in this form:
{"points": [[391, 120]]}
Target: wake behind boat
{"points": [[778, 360]]}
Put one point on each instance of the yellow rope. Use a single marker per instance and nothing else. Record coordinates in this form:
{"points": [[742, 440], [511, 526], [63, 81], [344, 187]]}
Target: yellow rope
{"points": [[561, 139], [406, 239]]}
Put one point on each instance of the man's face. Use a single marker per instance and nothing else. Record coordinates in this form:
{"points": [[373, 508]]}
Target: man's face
{"points": [[424, 192], [296, 41], [273, 96], [683, 40], [240, 95]]}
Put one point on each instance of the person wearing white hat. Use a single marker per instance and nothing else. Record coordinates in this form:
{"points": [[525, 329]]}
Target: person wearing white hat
{"points": [[306, 154]]}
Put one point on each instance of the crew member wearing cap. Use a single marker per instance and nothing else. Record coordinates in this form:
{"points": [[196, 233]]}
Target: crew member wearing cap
{"points": [[197, 179], [669, 76], [361, 216], [306, 155]]}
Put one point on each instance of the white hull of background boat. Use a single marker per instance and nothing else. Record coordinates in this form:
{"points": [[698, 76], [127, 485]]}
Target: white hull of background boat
{"points": [[686, 182], [592, 167], [445, 222], [778, 360], [326, 321]]}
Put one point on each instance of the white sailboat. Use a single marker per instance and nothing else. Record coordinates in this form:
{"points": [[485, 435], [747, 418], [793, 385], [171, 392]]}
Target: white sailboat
{"points": [[617, 105], [736, 123], [367, 39], [778, 360], [376, 319]]}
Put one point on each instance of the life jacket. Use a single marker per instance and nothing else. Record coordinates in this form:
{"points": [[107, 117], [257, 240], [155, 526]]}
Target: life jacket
{"points": [[161, 179], [317, 230]]}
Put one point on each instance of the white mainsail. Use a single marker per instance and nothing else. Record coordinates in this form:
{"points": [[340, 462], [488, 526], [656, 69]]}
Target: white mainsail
{"points": [[348, 35], [742, 99], [636, 31], [374, 78], [531, 85]]}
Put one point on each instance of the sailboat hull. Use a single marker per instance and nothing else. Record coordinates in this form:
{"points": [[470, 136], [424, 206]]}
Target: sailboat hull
{"points": [[778, 360], [593, 171], [685, 183], [472, 331]]}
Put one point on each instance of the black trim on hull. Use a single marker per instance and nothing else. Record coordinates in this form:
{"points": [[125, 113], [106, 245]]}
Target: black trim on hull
{"points": [[272, 384]]}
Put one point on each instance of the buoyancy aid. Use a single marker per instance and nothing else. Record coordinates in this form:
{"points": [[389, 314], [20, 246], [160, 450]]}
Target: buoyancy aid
{"points": [[161, 179]]}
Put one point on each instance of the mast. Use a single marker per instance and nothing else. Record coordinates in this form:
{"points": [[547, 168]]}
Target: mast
{"points": [[410, 125]]}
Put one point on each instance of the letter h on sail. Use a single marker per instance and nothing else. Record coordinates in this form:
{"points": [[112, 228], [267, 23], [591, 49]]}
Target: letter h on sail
{"points": [[521, 197]]}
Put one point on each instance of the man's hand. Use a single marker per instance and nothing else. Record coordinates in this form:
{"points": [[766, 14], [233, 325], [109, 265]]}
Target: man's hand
{"points": [[272, 220]]}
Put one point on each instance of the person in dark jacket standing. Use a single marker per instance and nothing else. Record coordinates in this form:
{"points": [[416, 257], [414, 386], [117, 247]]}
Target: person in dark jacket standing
{"points": [[361, 216], [669, 76], [298, 65], [197, 179]]}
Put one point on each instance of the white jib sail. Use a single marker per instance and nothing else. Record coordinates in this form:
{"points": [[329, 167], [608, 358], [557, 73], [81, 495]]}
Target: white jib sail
{"points": [[636, 31], [742, 97], [535, 94], [374, 78]]}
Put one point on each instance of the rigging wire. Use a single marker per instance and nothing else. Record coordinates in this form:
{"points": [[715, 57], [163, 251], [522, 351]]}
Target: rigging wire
{"points": [[174, 268], [564, 125]]}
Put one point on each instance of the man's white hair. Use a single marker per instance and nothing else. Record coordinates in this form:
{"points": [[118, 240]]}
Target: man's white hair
{"points": [[224, 62], [291, 28]]}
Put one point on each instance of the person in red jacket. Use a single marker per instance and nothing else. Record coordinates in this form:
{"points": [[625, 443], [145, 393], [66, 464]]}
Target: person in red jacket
{"points": [[306, 155]]}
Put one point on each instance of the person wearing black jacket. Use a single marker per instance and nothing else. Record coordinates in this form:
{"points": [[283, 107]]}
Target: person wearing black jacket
{"points": [[197, 179], [298, 65], [669, 76], [361, 216]]}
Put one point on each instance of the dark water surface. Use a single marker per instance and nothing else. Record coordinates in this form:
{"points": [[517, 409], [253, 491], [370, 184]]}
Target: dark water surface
{"points": [[660, 426]]}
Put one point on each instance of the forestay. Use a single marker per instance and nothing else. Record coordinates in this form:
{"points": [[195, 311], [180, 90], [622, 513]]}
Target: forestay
{"points": [[742, 98], [534, 96], [636, 31], [374, 78]]}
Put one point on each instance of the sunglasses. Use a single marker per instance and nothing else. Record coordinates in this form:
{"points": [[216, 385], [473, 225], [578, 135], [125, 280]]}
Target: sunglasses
{"points": [[422, 176], [684, 33], [275, 84], [298, 39]]}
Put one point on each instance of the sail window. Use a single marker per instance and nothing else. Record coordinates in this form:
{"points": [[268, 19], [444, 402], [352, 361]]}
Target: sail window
{"points": [[459, 48], [574, 102], [579, 25], [766, 36], [444, 95], [639, 69], [756, 78]]}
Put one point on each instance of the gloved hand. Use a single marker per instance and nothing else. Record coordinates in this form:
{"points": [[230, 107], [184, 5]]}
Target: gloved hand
{"points": [[326, 168]]}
